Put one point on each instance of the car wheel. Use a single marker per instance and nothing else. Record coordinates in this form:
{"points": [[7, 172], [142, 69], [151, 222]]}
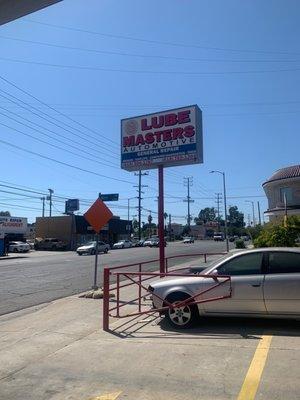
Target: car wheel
{"points": [[15, 250], [184, 316], [123, 247], [105, 251], [80, 254], [93, 252]]}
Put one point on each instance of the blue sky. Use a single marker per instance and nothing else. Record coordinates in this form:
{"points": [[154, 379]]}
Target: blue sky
{"points": [[239, 61]]}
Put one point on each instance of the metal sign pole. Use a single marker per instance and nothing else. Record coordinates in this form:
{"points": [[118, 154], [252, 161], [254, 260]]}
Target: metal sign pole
{"points": [[95, 287], [161, 233]]}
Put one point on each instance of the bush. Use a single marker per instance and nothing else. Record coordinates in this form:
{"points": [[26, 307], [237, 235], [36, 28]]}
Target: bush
{"points": [[279, 235], [240, 244]]}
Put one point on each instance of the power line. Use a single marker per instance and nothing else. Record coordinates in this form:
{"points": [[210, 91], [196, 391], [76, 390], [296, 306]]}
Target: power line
{"points": [[63, 163], [157, 41], [57, 147], [118, 53], [49, 130], [22, 207], [46, 119], [136, 71], [60, 113]]}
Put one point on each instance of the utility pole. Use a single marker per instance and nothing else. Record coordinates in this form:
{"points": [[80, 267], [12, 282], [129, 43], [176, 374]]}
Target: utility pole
{"points": [[43, 209], [140, 186], [249, 220], [258, 209], [218, 201], [253, 212], [188, 182], [225, 206], [51, 191]]}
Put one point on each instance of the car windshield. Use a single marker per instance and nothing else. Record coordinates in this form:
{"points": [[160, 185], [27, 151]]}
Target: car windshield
{"points": [[90, 244]]}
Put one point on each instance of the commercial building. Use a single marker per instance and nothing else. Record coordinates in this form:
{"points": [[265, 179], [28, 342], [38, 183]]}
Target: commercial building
{"points": [[283, 192], [176, 229], [13, 228], [75, 230], [198, 231]]}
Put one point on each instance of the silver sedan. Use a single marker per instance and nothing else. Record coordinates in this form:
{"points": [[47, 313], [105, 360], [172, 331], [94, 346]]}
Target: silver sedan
{"points": [[263, 283]]}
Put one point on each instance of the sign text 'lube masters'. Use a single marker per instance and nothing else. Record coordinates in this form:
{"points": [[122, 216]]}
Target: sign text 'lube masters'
{"points": [[167, 138]]}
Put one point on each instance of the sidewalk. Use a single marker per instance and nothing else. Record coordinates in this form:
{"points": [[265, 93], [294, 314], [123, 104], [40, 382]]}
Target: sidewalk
{"points": [[42, 349]]}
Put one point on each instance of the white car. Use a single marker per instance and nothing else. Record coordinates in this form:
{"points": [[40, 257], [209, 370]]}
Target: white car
{"points": [[122, 244], [90, 248], [18, 247], [264, 283], [188, 239]]}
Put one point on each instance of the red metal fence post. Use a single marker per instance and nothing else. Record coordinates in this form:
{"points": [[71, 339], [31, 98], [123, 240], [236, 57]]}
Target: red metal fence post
{"points": [[118, 295], [161, 230], [140, 287], [106, 274]]}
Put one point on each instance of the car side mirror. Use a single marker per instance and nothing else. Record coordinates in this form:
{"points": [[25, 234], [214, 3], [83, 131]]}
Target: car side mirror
{"points": [[214, 272]]}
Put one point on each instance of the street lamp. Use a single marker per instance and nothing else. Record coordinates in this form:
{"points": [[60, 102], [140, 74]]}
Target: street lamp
{"points": [[253, 214], [225, 206]]}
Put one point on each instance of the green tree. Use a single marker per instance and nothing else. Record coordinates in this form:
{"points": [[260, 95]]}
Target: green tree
{"points": [[205, 215], [5, 214], [235, 217]]}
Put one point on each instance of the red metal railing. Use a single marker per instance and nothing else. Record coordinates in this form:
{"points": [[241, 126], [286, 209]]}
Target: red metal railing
{"points": [[127, 277]]}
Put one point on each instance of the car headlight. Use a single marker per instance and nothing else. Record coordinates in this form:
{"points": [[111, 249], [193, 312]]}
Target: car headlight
{"points": [[150, 289]]}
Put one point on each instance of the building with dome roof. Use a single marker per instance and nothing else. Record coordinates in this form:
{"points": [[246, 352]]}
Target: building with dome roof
{"points": [[283, 186]]}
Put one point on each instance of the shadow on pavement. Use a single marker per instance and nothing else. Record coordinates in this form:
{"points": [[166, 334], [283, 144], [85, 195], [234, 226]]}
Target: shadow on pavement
{"points": [[155, 327]]}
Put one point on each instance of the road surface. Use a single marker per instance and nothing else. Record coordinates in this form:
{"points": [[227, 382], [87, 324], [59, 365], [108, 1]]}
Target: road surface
{"points": [[40, 277]]}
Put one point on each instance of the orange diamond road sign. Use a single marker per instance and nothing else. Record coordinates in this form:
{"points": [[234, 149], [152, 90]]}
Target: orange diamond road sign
{"points": [[98, 215]]}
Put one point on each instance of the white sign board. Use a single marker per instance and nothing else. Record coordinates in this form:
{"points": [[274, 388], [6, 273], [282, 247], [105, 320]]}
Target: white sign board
{"points": [[169, 138], [13, 225]]}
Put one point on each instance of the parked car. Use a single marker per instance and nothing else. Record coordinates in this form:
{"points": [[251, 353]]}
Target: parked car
{"points": [[31, 244], [155, 243], [90, 248], [188, 239], [265, 283], [245, 238], [219, 237], [148, 242], [18, 247], [50, 244], [135, 243], [122, 244]]}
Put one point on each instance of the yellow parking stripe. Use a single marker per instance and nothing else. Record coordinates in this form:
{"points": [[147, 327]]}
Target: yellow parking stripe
{"points": [[109, 396], [251, 382]]}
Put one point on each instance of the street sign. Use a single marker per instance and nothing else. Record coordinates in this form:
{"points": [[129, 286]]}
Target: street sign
{"points": [[168, 138], [71, 205], [98, 215], [109, 197]]}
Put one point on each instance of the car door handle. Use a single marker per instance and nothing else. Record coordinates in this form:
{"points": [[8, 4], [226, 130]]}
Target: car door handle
{"points": [[256, 285]]}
